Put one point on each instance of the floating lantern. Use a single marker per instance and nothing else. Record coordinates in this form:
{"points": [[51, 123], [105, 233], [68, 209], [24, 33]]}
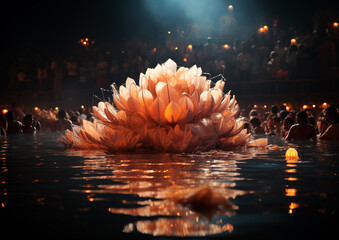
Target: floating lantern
{"points": [[56, 109], [230, 7], [293, 41], [185, 59], [305, 107], [36, 109], [291, 154], [265, 106], [335, 25], [265, 28], [287, 108], [261, 30], [4, 111], [313, 106], [82, 106]]}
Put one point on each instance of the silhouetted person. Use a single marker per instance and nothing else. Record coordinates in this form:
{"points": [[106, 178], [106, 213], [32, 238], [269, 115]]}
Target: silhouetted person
{"points": [[63, 123], [287, 124], [256, 125], [28, 126], [332, 120], [3, 125], [13, 126], [302, 130]]}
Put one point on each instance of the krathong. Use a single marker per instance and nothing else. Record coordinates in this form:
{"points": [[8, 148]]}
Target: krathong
{"points": [[171, 109]]}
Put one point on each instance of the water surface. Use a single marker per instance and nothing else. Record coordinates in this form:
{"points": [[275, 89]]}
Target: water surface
{"points": [[46, 190]]}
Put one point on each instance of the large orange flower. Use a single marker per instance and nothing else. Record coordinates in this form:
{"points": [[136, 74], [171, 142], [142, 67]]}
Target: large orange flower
{"points": [[172, 109]]}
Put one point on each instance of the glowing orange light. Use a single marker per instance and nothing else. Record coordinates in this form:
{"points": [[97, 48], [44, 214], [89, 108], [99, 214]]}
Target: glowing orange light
{"points": [[291, 154], [291, 179], [190, 47], [226, 46], [36, 108], [265, 106], [154, 50], [86, 39], [255, 106], [169, 32], [293, 41], [84, 43], [290, 192], [82, 106], [261, 30], [292, 207], [265, 28], [185, 59], [230, 7], [287, 108], [175, 48], [324, 104], [56, 108], [313, 105], [335, 25], [305, 106], [4, 111]]}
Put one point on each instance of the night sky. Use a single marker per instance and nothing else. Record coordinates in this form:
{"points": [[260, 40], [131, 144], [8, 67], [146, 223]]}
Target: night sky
{"points": [[66, 21]]}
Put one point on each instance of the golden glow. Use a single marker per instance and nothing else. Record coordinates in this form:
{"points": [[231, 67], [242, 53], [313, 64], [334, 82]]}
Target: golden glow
{"points": [[56, 108], [169, 32], [255, 106], [293, 170], [287, 108], [290, 192], [293, 41], [185, 59], [261, 30], [230, 7], [4, 111], [190, 47], [292, 207], [265, 28], [335, 25], [324, 105], [265, 106], [226, 46], [291, 179], [305, 106], [154, 50], [86, 39], [313, 106], [36, 109], [175, 48], [291, 153], [82, 106]]}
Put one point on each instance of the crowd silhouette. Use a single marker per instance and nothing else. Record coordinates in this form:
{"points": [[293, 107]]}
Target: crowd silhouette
{"points": [[278, 54]]}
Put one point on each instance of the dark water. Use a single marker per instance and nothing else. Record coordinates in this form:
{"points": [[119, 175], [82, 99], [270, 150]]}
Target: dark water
{"points": [[47, 191]]}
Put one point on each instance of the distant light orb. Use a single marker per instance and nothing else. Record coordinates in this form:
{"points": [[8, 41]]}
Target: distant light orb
{"points": [[291, 154], [324, 104], [56, 108], [169, 32], [82, 106], [305, 106], [4, 111], [226, 46], [230, 7], [190, 47], [265, 28], [36, 108], [335, 25], [293, 41]]}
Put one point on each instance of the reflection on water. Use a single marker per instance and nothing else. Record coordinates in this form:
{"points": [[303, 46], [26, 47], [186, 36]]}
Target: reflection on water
{"points": [[159, 177], [45, 187]]}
